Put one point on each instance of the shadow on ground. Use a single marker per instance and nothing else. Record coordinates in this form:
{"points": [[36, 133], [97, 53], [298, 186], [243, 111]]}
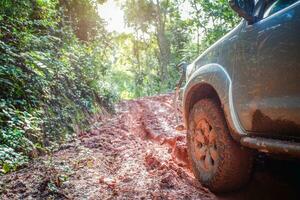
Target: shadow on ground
{"points": [[272, 178]]}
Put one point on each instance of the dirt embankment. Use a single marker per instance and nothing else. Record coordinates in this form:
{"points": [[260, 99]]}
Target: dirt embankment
{"points": [[135, 154]]}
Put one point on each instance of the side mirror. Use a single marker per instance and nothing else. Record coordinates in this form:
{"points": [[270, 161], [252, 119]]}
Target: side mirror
{"points": [[244, 8]]}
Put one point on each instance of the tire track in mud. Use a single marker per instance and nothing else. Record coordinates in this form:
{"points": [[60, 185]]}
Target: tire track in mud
{"points": [[152, 119], [134, 154], [146, 120], [157, 119], [135, 148]]}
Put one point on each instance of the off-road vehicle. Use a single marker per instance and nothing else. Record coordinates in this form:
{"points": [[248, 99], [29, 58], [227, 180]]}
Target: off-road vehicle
{"points": [[243, 93]]}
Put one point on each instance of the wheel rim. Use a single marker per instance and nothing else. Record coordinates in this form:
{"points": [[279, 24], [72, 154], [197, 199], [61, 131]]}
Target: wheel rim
{"points": [[204, 145]]}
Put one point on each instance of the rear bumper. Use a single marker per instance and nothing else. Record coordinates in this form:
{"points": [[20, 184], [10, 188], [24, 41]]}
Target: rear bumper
{"points": [[272, 146]]}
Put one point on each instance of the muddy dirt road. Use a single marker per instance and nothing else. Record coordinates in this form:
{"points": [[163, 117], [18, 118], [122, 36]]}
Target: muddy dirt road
{"points": [[135, 154]]}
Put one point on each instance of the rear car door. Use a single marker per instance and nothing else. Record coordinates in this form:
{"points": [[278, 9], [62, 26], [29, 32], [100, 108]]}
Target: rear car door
{"points": [[266, 90]]}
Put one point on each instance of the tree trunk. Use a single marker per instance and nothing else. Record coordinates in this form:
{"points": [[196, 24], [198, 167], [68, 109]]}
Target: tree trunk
{"points": [[163, 43]]}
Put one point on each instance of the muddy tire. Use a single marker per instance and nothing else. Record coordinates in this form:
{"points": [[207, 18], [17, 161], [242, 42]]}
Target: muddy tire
{"points": [[217, 160]]}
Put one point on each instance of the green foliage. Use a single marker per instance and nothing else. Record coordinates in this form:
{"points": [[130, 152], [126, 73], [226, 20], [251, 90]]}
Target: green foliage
{"points": [[210, 20], [162, 38], [50, 81], [83, 18], [59, 66], [10, 159]]}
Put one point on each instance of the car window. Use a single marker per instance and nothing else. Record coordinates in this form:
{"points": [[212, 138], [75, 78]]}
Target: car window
{"points": [[277, 6]]}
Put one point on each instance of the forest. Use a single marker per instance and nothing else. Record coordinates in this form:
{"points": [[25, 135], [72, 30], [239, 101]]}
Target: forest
{"points": [[60, 66]]}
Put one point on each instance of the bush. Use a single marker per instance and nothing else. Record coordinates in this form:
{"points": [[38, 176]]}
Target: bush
{"points": [[51, 80]]}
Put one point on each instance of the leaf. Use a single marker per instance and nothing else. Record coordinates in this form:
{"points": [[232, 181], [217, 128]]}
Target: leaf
{"points": [[2, 80], [6, 168], [52, 187]]}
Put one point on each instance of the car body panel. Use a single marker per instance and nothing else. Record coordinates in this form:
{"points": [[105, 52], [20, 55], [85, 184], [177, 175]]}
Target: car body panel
{"points": [[267, 92], [217, 77], [262, 62]]}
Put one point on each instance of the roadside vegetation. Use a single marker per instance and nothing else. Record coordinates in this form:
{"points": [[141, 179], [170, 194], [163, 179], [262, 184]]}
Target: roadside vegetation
{"points": [[59, 66]]}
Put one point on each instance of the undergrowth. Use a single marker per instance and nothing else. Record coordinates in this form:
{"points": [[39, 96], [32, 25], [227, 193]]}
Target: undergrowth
{"points": [[52, 75]]}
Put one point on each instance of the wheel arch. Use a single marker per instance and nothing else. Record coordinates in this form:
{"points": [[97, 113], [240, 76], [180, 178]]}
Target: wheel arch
{"points": [[198, 92], [212, 81]]}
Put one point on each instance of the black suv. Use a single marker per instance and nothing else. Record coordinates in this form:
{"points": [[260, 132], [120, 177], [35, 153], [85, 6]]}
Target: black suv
{"points": [[243, 93]]}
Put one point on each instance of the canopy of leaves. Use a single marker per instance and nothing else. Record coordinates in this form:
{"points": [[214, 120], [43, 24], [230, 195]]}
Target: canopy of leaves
{"points": [[162, 38]]}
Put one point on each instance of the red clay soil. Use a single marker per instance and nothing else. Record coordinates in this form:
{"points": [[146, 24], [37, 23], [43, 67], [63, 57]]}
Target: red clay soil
{"points": [[135, 154]]}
